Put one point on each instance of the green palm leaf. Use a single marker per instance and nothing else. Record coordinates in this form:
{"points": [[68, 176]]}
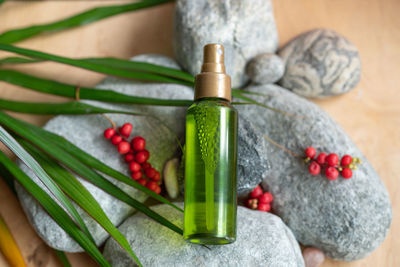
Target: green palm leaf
{"points": [[55, 211], [29, 161], [73, 107], [95, 66], [63, 258], [63, 89], [81, 169], [78, 193], [18, 60], [84, 18]]}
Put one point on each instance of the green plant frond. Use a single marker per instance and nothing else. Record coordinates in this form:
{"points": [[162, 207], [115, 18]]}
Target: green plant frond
{"points": [[79, 194], [73, 107], [61, 217], [80, 19], [67, 90], [93, 66], [29, 161]]}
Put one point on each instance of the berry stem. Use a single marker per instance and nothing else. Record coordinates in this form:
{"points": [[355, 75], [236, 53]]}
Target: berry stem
{"points": [[114, 126], [281, 147]]}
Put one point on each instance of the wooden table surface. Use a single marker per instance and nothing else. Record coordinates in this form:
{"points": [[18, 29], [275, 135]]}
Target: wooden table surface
{"points": [[370, 114]]}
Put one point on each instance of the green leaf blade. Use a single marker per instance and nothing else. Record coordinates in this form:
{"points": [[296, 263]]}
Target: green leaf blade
{"points": [[54, 210], [78, 193], [83, 18], [66, 90], [29, 161]]}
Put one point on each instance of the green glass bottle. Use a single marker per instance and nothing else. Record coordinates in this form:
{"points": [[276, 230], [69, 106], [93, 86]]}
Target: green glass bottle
{"points": [[211, 156]]}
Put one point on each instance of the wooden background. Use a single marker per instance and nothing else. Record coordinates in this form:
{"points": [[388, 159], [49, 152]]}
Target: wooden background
{"points": [[370, 114]]}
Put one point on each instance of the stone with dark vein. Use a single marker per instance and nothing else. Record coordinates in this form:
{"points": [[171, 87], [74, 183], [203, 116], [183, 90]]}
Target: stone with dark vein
{"points": [[265, 68], [246, 28], [253, 165], [347, 218], [86, 132], [262, 240], [320, 63]]}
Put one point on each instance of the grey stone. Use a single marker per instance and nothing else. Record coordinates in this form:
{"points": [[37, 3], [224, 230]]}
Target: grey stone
{"points": [[262, 240], [346, 219], [265, 68], [320, 63], [253, 164], [86, 132], [246, 28]]}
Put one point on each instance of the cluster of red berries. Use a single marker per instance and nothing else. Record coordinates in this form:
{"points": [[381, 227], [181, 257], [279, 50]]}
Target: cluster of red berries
{"points": [[136, 156], [331, 164], [259, 200]]}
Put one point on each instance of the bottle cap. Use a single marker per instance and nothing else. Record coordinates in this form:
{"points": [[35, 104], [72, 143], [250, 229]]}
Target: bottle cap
{"points": [[213, 80]]}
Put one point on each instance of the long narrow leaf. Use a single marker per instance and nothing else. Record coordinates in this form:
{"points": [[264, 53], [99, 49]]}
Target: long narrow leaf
{"points": [[73, 107], [81, 169], [7, 178], [142, 66], [116, 63], [78, 193], [84, 18], [94, 163], [29, 161], [54, 210], [63, 258], [1, 1], [127, 74], [18, 60], [63, 89], [9, 247]]}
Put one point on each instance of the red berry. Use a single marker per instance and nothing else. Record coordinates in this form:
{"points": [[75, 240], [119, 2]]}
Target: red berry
{"points": [[151, 185], [321, 158], [138, 143], [129, 157], [264, 207], [331, 173], [142, 181], [140, 157], [146, 153], [257, 192], [157, 190], [332, 159], [314, 168], [310, 152], [150, 172], [136, 175], [126, 130], [116, 139], [156, 177], [146, 165], [266, 198], [347, 173], [134, 166], [108, 133], [346, 160], [124, 147], [252, 203]]}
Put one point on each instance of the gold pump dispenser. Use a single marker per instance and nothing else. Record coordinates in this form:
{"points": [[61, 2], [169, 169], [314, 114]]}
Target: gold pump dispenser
{"points": [[213, 80]]}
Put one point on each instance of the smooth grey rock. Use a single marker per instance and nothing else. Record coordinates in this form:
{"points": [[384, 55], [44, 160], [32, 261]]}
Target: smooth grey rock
{"points": [[262, 240], [86, 131], [246, 28], [265, 68], [320, 63], [346, 219], [253, 165]]}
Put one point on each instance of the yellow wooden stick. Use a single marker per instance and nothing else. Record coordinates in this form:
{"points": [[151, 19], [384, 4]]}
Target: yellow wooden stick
{"points": [[8, 246]]}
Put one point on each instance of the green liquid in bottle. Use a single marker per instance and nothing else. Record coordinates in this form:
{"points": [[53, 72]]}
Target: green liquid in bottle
{"points": [[210, 172]]}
